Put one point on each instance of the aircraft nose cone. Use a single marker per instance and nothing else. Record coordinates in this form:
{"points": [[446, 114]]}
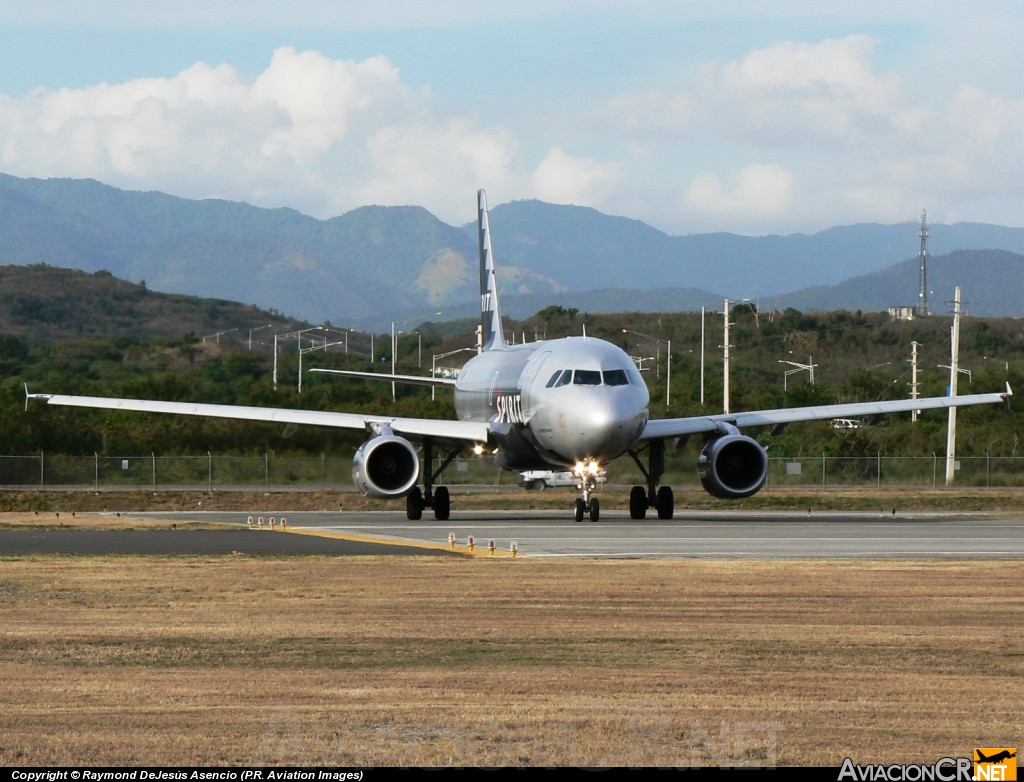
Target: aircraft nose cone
{"points": [[604, 425]]}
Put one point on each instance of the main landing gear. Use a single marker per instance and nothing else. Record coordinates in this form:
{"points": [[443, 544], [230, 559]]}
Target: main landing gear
{"points": [[653, 496], [437, 498]]}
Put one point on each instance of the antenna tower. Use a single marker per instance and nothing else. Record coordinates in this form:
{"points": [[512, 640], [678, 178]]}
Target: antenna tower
{"points": [[922, 296]]}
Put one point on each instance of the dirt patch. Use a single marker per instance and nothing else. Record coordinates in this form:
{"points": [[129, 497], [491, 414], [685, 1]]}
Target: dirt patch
{"points": [[612, 497]]}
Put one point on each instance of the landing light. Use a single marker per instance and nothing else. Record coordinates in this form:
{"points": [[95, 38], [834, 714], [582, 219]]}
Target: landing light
{"points": [[588, 467], [478, 449]]}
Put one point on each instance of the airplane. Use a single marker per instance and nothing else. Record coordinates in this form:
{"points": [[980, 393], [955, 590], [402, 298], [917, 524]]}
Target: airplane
{"points": [[998, 757], [569, 403]]}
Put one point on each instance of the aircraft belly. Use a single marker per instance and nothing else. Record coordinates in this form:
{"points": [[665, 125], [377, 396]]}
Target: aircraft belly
{"points": [[517, 451]]}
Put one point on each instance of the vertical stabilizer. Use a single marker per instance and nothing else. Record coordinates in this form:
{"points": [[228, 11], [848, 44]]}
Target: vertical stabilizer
{"points": [[490, 314]]}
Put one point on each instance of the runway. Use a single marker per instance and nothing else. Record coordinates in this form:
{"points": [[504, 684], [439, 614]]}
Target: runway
{"points": [[535, 534]]}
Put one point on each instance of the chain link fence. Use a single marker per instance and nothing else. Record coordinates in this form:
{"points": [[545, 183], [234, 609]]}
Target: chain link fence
{"points": [[209, 471], [212, 471], [895, 471]]}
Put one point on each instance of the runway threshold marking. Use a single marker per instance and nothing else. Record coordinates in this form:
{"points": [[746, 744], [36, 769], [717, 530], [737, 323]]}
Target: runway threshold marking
{"points": [[478, 551]]}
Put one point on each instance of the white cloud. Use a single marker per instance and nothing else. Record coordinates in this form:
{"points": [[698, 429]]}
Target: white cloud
{"points": [[798, 136], [757, 190], [791, 135], [840, 68], [826, 93], [320, 135], [652, 110], [438, 165], [564, 179]]}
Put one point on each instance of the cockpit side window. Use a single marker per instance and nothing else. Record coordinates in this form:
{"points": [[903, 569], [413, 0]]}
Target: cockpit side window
{"points": [[587, 377], [565, 379], [615, 377], [554, 377]]}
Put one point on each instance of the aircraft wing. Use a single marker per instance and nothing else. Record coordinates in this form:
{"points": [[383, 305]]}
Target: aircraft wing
{"points": [[422, 380], [465, 431], [659, 428]]}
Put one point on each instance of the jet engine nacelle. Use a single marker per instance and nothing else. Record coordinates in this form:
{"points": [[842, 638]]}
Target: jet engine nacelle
{"points": [[386, 466], [732, 466]]}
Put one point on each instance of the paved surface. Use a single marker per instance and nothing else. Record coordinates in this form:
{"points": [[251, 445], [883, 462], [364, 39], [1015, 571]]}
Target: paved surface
{"points": [[554, 534]]}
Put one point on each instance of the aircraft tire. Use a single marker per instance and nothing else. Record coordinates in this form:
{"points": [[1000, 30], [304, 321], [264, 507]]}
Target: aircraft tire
{"points": [[666, 503], [414, 504], [579, 509], [539, 485], [442, 503], [595, 510], [637, 503]]}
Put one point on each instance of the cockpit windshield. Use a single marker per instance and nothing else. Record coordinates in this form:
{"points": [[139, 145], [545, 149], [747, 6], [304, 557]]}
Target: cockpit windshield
{"points": [[594, 377], [586, 377], [616, 377]]}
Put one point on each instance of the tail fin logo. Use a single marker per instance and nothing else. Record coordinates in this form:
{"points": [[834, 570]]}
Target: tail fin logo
{"points": [[490, 312]]}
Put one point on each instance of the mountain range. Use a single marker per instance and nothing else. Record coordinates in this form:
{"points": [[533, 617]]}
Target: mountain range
{"points": [[379, 264]]}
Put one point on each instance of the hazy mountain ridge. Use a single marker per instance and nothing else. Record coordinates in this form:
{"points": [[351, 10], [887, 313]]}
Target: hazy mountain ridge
{"points": [[990, 280], [381, 263], [40, 304]]}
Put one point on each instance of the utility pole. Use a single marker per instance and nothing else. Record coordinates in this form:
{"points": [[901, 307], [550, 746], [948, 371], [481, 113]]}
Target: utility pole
{"points": [[702, 358], [913, 378], [725, 362], [922, 296], [668, 373], [954, 371]]}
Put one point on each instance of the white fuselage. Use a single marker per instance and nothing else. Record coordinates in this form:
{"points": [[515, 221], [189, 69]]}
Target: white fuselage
{"points": [[555, 402]]}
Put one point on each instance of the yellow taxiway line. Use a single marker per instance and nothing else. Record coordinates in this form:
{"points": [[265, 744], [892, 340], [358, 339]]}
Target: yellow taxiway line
{"points": [[476, 551]]}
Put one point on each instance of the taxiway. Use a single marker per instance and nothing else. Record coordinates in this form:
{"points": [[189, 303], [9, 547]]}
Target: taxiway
{"points": [[764, 535]]}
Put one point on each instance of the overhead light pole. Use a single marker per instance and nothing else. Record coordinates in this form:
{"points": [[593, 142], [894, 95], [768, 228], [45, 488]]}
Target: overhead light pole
{"points": [[298, 335], [808, 367], [433, 365], [668, 362], [394, 347], [258, 328], [310, 349], [217, 336]]}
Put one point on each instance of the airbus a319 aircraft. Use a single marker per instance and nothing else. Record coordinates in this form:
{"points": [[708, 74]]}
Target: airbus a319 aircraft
{"points": [[574, 402]]}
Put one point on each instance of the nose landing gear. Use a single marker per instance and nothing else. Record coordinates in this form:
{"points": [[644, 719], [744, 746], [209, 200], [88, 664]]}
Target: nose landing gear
{"points": [[586, 476]]}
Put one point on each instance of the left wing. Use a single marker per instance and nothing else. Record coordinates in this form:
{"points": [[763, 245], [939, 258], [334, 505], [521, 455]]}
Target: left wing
{"points": [[659, 428], [465, 431], [422, 380]]}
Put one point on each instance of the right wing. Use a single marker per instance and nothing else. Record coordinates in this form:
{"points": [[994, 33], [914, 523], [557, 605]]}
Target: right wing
{"points": [[658, 428], [463, 431]]}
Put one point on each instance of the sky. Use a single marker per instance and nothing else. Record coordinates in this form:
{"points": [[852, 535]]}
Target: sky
{"points": [[694, 117]]}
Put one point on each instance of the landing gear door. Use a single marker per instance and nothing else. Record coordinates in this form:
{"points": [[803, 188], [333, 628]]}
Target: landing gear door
{"points": [[529, 377]]}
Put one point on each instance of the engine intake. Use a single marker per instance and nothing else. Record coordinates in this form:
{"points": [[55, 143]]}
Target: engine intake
{"points": [[385, 466], [732, 466]]}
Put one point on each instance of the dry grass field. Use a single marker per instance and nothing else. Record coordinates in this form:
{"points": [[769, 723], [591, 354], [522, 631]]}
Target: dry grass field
{"points": [[392, 661]]}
